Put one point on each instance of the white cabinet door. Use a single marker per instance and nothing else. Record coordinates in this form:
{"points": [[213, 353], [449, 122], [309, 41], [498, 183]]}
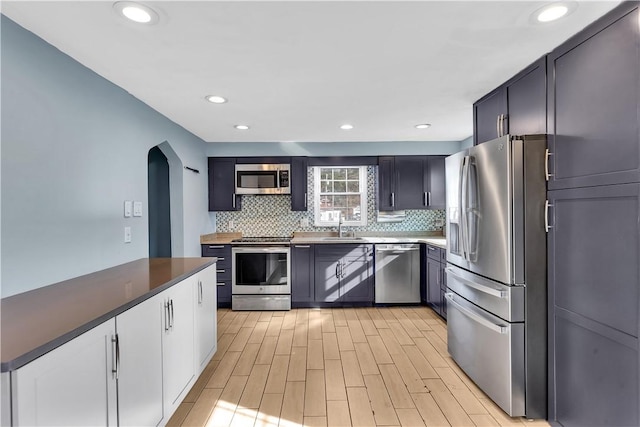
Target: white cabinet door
{"points": [[177, 342], [72, 385], [205, 320], [140, 374]]}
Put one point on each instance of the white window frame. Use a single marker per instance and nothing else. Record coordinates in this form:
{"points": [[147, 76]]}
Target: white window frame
{"points": [[363, 197]]}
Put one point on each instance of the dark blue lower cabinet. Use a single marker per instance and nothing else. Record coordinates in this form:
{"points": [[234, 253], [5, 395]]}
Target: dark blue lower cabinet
{"points": [[302, 274], [223, 269], [344, 273], [594, 289]]}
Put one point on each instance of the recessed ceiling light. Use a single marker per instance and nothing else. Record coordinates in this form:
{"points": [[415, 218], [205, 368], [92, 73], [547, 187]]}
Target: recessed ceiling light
{"points": [[241, 127], [423, 126], [346, 127], [554, 11], [136, 12], [215, 99]]}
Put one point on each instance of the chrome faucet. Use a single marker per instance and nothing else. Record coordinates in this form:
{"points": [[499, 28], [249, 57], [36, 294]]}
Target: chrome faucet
{"points": [[340, 224]]}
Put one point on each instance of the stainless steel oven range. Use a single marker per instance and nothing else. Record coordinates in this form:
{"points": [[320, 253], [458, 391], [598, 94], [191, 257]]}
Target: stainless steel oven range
{"points": [[261, 273]]}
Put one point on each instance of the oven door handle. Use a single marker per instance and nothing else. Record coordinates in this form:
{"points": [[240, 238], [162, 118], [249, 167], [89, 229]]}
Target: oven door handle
{"points": [[258, 249], [474, 316]]}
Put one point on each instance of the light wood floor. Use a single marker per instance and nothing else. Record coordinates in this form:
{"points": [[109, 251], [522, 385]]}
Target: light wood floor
{"points": [[336, 367]]}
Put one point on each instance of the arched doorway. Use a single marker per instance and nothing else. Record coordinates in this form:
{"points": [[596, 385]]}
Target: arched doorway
{"points": [[159, 195]]}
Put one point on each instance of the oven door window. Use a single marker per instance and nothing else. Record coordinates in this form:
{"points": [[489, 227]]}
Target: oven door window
{"points": [[257, 179], [260, 269]]}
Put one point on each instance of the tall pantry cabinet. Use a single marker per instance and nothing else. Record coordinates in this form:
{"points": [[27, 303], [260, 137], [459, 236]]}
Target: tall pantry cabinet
{"points": [[593, 218]]}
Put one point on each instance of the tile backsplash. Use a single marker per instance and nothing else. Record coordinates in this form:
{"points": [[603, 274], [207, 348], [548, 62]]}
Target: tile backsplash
{"points": [[272, 215]]}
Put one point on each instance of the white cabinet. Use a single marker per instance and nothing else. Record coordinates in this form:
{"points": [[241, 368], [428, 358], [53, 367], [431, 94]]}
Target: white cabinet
{"points": [[72, 385], [177, 342], [132, 370], [205, 317], [139, 335]]}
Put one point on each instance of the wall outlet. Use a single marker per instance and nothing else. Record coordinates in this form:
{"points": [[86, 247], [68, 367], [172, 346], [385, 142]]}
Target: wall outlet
{"points": [[127, 208], [127, 234], [231, 225], [137, 208], [304, 222]]}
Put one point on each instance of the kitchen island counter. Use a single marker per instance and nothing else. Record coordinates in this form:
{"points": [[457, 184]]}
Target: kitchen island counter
{"points": [[36, 322]]}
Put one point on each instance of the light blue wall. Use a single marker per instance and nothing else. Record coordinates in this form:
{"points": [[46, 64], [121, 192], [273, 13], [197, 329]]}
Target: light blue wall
{"points": [[230, 149], [74, 147]]}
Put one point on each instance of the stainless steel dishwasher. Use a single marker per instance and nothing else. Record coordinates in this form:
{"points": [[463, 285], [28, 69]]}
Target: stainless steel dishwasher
{"points": [[397, 273]]}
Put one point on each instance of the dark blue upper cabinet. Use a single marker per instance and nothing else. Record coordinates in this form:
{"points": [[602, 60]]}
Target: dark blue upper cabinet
{"points": [[386, 183], [222, 187], [527, 100], [517, 107], [593, 103], [487, 114], [411, 182], [299, 196], [410, 192]]}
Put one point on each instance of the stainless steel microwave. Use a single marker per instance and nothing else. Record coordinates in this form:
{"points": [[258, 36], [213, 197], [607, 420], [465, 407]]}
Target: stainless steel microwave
{"points": [[263, 179]]}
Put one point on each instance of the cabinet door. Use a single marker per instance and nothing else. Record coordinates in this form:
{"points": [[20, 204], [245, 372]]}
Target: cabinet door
{"points": [[386, 184], [527, 100], [434, 182], [302, 273], [70, 386], [356, 278], [140, 377], [485, 115], [205, 316], [593, 104], [178, 341], [594, 288], [410, 190], [299, 184], [222, 188], [433, 284], [327, 281]]}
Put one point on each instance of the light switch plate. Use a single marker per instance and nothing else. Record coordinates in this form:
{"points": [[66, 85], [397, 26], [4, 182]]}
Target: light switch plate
{"points": [[127, 208], [137, 208], [127, 234]]}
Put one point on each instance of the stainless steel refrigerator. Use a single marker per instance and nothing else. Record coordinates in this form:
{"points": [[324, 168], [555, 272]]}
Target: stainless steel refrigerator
{"points": [[496, 270]]}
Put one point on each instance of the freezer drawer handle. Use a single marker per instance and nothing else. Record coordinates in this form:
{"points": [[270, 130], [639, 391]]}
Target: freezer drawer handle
{"points": [[476, 317], [487, 290]]}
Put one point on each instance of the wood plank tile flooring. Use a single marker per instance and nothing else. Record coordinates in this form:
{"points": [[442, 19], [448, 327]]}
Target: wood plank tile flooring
{"points": [[336, 367]]}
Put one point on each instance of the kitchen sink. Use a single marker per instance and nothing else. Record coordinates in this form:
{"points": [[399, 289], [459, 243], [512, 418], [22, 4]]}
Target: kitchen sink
{"points": [[342, 238]]}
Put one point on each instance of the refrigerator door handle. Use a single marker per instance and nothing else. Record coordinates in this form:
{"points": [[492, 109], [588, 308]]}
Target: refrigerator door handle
{"points": [[474, 316], [485, 289], [464, 199], [472, 190]]}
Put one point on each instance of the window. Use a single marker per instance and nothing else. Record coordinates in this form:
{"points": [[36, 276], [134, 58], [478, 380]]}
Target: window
{"points": [[340, 191]]}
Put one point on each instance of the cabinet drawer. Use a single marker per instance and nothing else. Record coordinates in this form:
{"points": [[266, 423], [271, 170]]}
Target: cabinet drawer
{"points": [[222, 252], [434, 252]]}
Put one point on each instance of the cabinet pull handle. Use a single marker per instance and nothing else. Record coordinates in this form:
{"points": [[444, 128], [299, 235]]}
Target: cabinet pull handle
{"points": [[171, 320], [337, 268], [199, 291], [115, 341], [393, 199], [498, 125], [216, 247], [220, 283], [547, 154], [233, 201], [220, 271], [220, 258], [166, 316], [302, 246], [305, 199], [547, 205]]}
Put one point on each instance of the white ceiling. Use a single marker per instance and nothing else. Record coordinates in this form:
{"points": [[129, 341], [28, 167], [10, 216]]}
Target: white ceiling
{"points": [[297, 70]]}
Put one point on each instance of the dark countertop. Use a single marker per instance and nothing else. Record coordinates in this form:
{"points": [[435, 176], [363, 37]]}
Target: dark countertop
{"points": [[35, 322]]}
